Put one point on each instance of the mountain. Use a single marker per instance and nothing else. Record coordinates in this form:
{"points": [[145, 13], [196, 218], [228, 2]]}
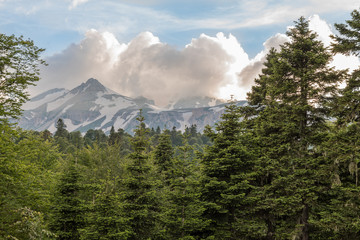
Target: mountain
{"points": [[195, 102], [93, 106]]}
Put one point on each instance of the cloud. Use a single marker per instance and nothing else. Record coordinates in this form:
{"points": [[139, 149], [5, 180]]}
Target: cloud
{"points": [[324, 31], [92, 57], [333, 5], [316, 24], [208, 66], [253, 69], [248, 13], [75, 3], [147, 67]]}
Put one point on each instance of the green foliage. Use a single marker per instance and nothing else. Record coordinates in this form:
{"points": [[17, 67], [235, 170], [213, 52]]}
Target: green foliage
{"points": [[276, 169], [76, 140], [30, 225], [68, 210], [340, 208], [105, 220], [19, 61], [26, 166], [175, 136], [349, 40], [140, 202], [346, 107], [181, 206], [226, 179], [163, 156], [289, 126], [95, 137]]}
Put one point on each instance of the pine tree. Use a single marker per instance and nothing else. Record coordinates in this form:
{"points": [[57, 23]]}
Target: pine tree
{"points": [[348, 42], [343, 143], [163, 156], [68, 209], [347, 106], [61, 136], [289, 124], [140, 203], [225, 184], [105, 220], [112, 136], [182, 209], [61, 129]]}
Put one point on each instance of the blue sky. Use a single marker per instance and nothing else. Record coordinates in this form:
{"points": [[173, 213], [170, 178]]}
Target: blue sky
{"points": [[54, 24], [57, 25]]}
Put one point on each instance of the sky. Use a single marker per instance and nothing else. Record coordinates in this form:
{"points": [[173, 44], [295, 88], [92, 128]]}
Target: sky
{"points": [[165, 49]]}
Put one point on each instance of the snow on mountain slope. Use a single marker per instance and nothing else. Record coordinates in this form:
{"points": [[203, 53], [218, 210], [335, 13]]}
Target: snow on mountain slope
{"points": [[43, 98], [93, 106], [195, 102]]}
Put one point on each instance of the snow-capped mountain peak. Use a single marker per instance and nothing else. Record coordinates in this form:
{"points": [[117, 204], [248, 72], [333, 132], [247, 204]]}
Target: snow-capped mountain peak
{"points": [[91, 85], [93, 106]]}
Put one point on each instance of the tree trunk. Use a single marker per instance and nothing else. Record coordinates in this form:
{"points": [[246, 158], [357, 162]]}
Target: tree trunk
{"points": [[270, 229], [304, 235]]}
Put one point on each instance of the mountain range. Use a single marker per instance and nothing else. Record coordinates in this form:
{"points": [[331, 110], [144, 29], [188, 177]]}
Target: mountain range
{"points": [[93, 106]]}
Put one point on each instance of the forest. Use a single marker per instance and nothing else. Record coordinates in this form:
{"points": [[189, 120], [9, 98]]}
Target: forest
{"points": [[286, 166]]}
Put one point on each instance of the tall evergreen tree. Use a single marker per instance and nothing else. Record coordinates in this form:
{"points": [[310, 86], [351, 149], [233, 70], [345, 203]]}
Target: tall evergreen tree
{"points": [[112, 136], [140, 203], [61, 129], [225, 183], [290, 124], [163, 156], [347, 106], [61, 136], [182, 208], [105, 221], [343, 144], [67, 218], [348, 42]]}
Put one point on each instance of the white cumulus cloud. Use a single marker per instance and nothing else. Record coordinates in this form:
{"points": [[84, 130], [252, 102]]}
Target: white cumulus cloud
{"points": [[208, 66], [147, 67], [316, 24]]}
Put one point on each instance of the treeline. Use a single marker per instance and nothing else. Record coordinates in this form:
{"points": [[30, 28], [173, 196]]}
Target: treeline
{"points": [[283, 167], [69, 186], [68, 142]]}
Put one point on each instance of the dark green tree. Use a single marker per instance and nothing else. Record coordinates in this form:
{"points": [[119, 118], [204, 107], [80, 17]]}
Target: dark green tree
{"points": [[163, 156], [175, 136], [348, 42], [225, 181], [61, 129], [289, 124], [341, 204], [112, 136], [182, 208], [76, 139], [97, 136], [140, 204], [343, 144], [61, 136], [68, 208], [346, 107], [105, 220]]}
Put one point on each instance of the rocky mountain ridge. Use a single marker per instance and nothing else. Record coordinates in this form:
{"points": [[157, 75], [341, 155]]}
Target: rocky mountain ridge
{"points": [[93, 106]]}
